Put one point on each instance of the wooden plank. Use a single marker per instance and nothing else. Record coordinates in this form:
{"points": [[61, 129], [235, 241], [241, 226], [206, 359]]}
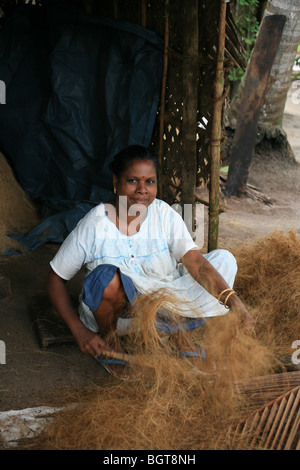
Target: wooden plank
{"points": [[254, 88]]}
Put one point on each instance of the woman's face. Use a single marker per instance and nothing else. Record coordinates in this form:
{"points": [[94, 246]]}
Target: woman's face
{"points": [[138, 183]]}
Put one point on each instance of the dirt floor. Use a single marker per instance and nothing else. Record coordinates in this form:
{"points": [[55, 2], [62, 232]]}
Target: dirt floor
{"points": [[245, 219], [33, 376]]}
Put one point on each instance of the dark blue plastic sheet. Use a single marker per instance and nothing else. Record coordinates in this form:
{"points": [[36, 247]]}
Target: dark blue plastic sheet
{"points": [[79, 88]]}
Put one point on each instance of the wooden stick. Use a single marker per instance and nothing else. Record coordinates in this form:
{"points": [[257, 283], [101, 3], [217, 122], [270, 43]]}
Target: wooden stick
{"points": [[213, 223], [119, 356], [116, 9], [143, 13], [163, 98], [190, 85]]}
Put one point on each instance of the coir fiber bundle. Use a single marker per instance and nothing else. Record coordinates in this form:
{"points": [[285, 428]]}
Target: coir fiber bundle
{"points": [[17, 212], [268, 281], [170, 402]]}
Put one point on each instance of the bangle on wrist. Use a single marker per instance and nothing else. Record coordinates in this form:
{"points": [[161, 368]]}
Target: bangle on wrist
{"points": [[230, 292]]}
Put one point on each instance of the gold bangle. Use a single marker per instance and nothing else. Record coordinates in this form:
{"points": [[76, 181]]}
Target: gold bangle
{"points": [[225, 303], [223, 292]]}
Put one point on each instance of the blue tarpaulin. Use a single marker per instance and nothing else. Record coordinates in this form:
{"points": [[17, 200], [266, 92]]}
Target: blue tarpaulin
{"points": [[79, 88]]}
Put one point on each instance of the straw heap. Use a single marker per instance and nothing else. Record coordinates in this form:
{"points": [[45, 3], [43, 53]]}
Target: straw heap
{"points": [[171, 403], [17, 212], [268, 281]]}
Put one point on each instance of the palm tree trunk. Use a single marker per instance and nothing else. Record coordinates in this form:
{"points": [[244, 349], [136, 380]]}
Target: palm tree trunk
{"points": [[270, 139], [281, 72], [255, 84]]}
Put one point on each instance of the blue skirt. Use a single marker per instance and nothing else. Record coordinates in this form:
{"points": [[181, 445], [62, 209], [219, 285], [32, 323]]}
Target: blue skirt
{"points": [[96, 282]]}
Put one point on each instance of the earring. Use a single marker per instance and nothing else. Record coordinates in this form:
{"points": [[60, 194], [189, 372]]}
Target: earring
{"points": [[115, 190]]}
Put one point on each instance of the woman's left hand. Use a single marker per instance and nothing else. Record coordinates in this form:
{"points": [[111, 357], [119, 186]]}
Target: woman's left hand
{"points": [[237, 307], [208, 277]]}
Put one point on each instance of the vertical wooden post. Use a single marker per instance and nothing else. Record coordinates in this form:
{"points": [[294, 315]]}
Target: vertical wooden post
{"points": [[215, 140], [163, 100], [190, 68], [116, 9], [144, 13]]}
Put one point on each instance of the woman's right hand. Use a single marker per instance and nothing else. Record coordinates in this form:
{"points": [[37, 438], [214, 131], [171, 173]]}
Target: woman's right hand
{"points": [[89, 342]]}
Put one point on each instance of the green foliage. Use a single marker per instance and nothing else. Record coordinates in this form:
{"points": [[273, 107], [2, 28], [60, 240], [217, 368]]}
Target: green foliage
{"points": [[246, 20], [296, 71], [296, 74]]}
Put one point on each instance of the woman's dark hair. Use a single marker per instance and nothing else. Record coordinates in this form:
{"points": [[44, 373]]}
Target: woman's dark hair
{"points": [[127, 156]]}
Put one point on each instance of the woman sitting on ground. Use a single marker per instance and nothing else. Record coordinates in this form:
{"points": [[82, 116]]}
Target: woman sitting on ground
{"points": [[136, 244]]}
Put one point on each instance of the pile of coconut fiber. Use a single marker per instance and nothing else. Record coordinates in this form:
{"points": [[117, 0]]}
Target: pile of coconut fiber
{"points": [[268, 281], [169, 402], [17, 213]]}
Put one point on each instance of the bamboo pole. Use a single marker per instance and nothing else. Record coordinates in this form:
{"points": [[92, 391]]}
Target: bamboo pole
{"points": [[163, 99], [215, 140]]}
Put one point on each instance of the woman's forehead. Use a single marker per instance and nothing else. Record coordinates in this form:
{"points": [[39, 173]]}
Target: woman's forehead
{"points": [[141, 168]]}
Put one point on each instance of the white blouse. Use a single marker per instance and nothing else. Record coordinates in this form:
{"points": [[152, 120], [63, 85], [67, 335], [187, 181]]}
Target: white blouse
{"points": [[151, 257]]}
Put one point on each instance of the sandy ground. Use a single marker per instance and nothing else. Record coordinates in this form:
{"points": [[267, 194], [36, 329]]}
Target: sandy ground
{"points": [[34, 377], [245, 219]]}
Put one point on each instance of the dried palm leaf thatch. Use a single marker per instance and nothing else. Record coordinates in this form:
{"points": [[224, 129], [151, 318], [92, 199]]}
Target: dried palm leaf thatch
{"points": [[265, 389], [17, 212], [268, 281], [275, 426], [172, 402]]}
